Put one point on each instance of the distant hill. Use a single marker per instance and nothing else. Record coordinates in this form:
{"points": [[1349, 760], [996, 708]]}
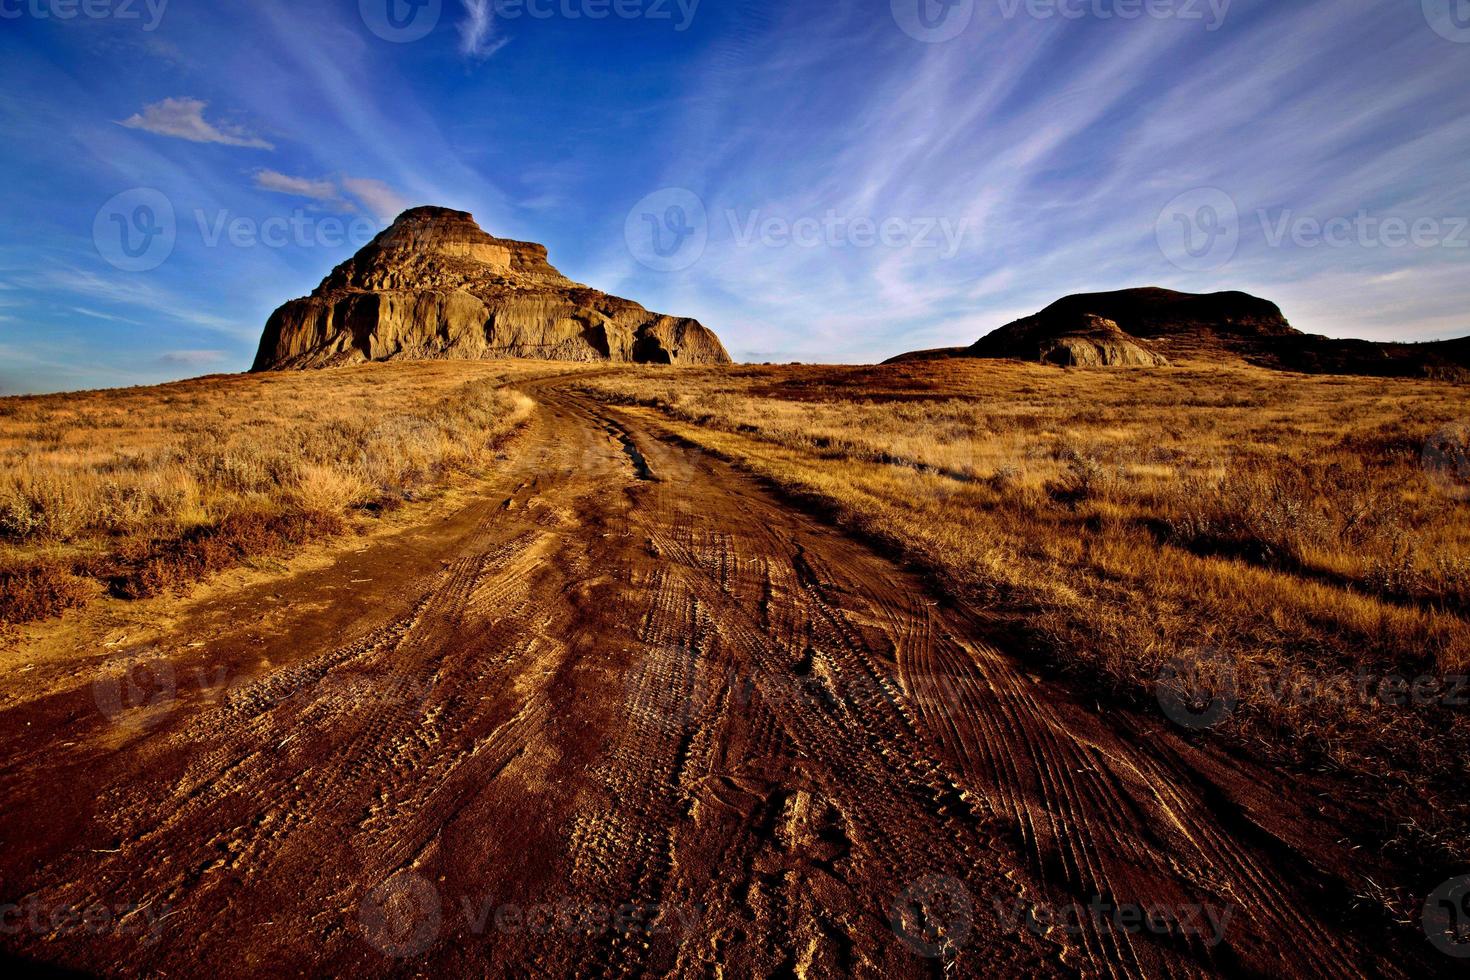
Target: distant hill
{"points": [[435, 285], [1146, 326]]}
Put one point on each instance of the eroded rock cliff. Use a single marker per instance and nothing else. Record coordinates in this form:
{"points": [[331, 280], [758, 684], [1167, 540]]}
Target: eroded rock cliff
{"points": [[435, 285]]}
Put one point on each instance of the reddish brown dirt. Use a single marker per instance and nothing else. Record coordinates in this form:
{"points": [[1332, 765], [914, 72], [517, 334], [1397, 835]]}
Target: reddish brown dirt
{"points": [[635, 716]]}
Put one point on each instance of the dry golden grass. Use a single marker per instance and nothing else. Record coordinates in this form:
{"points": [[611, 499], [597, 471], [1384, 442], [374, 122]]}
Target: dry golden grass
{"points": [[137, 490], [1279, 530]]}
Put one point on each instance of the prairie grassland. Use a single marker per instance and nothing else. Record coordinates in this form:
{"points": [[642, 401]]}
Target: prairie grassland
{"points": [[1223, 528], [135, 491]]}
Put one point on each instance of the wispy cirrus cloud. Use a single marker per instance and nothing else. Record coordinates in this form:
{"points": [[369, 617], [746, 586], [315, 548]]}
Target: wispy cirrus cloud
{"points": [[320, 190], [342, 193], [477, 38], [131, 291], [183, 118], [98, 315], [381, 201]]}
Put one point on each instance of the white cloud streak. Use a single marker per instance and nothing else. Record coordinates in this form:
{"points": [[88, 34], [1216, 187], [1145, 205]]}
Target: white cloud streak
{"points": [[183, 118], [320, 190], [343, 193], [477, 31], [382, 201]]}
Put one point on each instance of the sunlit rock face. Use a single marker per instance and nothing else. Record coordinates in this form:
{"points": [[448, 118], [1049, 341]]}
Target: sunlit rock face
{"points": [[435, 285]]}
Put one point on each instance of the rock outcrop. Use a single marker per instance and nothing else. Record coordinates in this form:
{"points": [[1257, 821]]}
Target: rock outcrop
{"points": [[1151, 312], [1081, 340], [1129, 328], [434, 285], [1134, 328], [1143, 327]]}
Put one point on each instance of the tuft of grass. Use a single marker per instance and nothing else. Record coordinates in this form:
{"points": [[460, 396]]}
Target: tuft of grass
{"points": [[151, 568], [39, 590]]}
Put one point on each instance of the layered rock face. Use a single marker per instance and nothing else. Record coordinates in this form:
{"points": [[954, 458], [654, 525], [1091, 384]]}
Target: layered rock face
{"points": [[1082, 340], [434, 285]]}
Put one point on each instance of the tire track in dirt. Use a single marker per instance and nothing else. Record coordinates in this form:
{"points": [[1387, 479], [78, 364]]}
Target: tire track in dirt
{"points": [[641, 684]]}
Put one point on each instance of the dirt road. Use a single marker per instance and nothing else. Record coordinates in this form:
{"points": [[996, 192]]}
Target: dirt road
{"points": [[634, 715]]}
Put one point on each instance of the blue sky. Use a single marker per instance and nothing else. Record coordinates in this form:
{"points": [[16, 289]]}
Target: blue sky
{"points": [[853, 179]]}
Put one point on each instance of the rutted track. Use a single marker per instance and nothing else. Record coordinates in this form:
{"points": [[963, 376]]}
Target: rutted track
{"points": [[644, 720]]}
